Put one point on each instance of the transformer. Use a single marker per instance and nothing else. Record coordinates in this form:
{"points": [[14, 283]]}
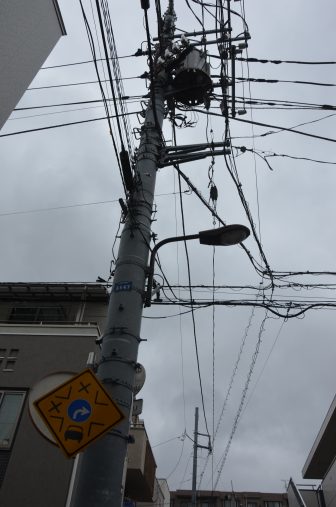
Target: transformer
{"points": [[192, 79]]}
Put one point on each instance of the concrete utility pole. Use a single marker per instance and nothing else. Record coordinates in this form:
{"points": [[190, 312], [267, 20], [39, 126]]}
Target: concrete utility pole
{"points": [[196, 447], [99, 481], [194, 475]]}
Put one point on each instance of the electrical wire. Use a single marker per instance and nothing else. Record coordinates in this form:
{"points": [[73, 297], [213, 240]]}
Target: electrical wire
{"points": [[280, 129], [279, 81], [116, 71], [277, 62], [39, 129], [192, 310], [263, 368], [269, 154], [228, 392], [242, 400], [116, 108], [234, 175], [254, 156], [298, 309], [93, 52], [86, 62], [79, 83]]}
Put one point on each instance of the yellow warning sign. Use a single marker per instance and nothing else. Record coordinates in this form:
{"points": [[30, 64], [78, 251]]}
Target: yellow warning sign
{"points": [[78, 412]]}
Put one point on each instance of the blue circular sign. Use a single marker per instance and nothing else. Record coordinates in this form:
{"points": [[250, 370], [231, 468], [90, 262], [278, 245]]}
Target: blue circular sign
{"points": [[79, 410]]}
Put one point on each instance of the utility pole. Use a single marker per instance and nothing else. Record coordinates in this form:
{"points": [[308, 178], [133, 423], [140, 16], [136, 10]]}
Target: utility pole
{"points": [[194, 476], [196, 447], [99, 481]]}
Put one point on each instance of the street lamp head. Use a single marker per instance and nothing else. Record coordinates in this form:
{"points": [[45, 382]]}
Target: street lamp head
{"points": [[224, 236]]}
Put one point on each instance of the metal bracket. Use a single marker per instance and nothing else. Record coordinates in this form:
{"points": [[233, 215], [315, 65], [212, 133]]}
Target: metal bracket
{"points": [[188, 153]]}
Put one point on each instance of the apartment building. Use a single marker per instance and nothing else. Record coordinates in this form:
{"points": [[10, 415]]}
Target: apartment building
{"points": [[182, 498], [49, 331], [319, 468]]}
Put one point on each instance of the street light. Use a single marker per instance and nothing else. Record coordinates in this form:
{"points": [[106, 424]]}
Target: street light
{"points": [[222, 236]]}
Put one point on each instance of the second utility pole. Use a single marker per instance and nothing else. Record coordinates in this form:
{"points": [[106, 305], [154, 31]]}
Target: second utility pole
{"points": [[196, 447], [194, 476], [99, 481]]}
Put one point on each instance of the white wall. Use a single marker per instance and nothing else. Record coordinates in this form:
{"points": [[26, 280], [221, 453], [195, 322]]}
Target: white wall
{"points": [[29, 29]]}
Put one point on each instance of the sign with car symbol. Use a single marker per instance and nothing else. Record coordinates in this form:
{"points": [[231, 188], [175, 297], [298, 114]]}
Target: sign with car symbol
{"points": [[78, 412]]}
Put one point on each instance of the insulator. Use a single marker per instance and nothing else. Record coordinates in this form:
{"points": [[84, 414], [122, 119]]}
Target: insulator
{"points": [[213, 193]]}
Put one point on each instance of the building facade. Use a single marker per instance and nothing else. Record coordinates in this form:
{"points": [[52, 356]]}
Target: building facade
{"points": [[182, 498], [44, 329], [29, 29], [320, 467], [48, 331]]}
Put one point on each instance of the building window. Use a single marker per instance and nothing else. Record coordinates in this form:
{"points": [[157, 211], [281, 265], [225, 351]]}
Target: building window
{"points": [[3, 353], [273, 504], [24, 314], [10, 360], [10, 409]]}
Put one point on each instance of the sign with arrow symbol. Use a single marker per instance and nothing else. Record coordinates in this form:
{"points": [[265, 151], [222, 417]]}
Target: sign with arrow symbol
{"points": [[78, 412]]}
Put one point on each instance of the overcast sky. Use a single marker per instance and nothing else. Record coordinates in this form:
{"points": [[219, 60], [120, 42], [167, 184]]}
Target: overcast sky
{"points": [[293, 382]]}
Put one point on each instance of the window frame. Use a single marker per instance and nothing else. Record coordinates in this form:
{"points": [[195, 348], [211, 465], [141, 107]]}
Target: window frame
{"points": [[273, 503], [10, 357], [37, 314], [15, 423]]}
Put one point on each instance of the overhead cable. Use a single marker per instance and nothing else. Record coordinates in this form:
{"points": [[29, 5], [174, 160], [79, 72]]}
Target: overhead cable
{"points": [[277, 62], [285, 129], [86, 61], [243, 396], [39, 129]]}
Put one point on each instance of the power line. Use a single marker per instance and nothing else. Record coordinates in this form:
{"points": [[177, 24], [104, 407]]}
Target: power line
{"points": [[285, 129], [138, 53], [66, 206], [109, 73], [275, 102], [277, 62], [104, 14], [61, 125], [263, 368], [233, 375], [76, 103], [53, 208], [93, 52], [191, 298], [255, 264], [276, 81], [268, 154], [234, 175], [260, 124], [296, 308], [243, 396], [79, 83]]}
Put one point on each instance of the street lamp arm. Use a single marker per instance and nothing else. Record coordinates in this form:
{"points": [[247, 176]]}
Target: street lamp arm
{"points": [[222, 236], [148, 294]]}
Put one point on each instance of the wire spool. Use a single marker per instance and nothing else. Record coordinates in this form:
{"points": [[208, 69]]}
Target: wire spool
{"points": [[192, 81]]}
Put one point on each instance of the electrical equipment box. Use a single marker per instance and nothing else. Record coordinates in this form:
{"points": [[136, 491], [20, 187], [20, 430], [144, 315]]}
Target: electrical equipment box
{"points": [[192, 81]]}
